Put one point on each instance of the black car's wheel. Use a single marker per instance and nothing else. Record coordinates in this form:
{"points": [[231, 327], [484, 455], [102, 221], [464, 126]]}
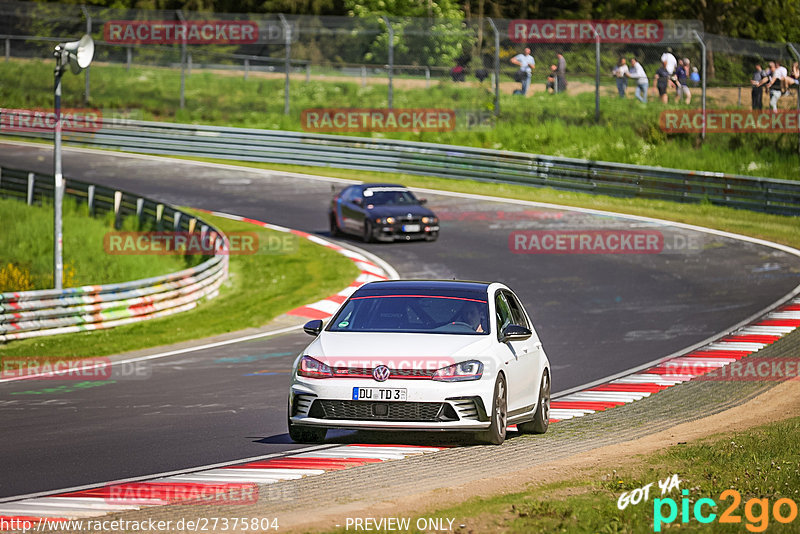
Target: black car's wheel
{"points": [[432, 237], [497, 431], [334, 226], [306, 434], [369, 234], [541, 419]]}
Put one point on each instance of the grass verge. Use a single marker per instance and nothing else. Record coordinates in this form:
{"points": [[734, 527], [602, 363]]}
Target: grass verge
{"points": [[259, 288], [26, 249], [559, 125], [761, 463]]}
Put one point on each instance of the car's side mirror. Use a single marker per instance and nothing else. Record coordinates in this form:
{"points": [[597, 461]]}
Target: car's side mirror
{"points": [[515, 332], [357, 201], [423, 201], [313, 328]]}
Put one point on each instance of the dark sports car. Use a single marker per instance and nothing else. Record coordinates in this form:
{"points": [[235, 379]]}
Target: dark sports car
{"points": [[382, 212]]}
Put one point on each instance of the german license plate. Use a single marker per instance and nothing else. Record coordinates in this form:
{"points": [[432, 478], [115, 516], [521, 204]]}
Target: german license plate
{"points": [[411, 228], [379, 394]]}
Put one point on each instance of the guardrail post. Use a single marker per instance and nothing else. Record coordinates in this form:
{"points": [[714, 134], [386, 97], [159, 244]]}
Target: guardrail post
{"points": [[246, 67], [390, 66], [192, 225], [703, 74], [139, 208], [182, 19], [31, 180], [427, 77], [796, 55], [159, 215], [90, 200], [128, 57], [176, 221], [86, 70], [496, 67], [117, 204], [287, 30], [363, 75], [8, 49]]}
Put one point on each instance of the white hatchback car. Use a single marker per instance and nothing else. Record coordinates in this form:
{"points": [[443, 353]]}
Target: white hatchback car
{"points": [[422, 355]]}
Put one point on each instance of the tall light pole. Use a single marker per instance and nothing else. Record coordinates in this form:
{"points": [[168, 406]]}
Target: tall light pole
{"points": [[78, 54]]}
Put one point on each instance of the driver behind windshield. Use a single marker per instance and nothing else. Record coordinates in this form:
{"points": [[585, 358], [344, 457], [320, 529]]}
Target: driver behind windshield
{"points": [[473, 317]]}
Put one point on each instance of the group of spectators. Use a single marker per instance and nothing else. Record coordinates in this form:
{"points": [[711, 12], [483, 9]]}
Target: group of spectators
{"points": [[673, 73], [776, 80], [556, 78]]}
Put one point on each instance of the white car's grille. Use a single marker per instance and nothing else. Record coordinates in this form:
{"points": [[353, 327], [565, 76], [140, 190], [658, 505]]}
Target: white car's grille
{"points": [[383, 411], [366, 372]]}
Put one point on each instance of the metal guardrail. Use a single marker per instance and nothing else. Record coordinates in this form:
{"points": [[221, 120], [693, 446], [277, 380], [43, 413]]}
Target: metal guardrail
{"points": [[28, 314], [428, 159]]}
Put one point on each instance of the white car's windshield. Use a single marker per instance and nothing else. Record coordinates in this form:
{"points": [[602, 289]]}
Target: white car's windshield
{"points": [[434, 314]]}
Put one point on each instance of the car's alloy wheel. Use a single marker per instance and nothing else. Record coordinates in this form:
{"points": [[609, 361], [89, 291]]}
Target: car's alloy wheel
{"points": [[368, 234], [334, 225], [306, 434], [541, 419], [499, 416]]}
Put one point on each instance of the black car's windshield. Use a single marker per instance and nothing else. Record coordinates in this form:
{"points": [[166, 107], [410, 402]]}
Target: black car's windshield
{"points": [[432, 314], [391, 196]]}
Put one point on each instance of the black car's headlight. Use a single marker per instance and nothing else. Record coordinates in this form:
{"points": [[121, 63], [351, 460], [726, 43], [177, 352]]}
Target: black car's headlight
{"points": [[385, 220], [459, 372], [430, 220], [312, 368]]}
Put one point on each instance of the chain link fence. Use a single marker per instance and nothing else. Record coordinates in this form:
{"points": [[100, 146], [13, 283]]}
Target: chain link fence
{"points": [[392, 54]]}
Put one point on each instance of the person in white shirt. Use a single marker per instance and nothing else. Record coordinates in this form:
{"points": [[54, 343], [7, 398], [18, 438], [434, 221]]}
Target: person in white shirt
{"points": [[620, 72], [774, 86], [637, 73], [669, 57], [526, 65]]}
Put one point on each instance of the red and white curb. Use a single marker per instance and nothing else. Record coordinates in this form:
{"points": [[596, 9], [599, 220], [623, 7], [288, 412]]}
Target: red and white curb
{"points": [[369, 270], [714, 356], [201, 485]]}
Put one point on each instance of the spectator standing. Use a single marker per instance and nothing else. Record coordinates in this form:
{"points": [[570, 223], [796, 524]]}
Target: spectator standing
{"points": [[637, 73], [561, 74], [662, 81], [774, 85], [620, 72], [551, 80], [757, 92], [669, 57], [526, 64], [682, 74], [791, 78]]}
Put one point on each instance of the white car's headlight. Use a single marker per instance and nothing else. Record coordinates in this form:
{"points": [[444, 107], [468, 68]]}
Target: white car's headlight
{"points": [[311, 368], [458, 372]]}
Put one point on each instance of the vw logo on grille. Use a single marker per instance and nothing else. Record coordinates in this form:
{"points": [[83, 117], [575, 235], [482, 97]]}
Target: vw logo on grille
{"points": [[380, 373]]}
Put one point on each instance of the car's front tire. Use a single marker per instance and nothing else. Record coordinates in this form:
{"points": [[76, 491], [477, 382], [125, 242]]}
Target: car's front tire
{"points": [[541, 419], [306, 434], [496, 434], [369, 234]]}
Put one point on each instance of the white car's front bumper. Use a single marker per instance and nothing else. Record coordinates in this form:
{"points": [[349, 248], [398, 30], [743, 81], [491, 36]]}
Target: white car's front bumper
{"points": [[429, 404]]}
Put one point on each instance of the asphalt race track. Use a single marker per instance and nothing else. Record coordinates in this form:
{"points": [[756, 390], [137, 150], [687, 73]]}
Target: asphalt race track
{"points": [[597, 314]]}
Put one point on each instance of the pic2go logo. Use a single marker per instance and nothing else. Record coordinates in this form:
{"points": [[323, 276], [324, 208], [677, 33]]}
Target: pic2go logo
{"points": [[756, 511]]}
